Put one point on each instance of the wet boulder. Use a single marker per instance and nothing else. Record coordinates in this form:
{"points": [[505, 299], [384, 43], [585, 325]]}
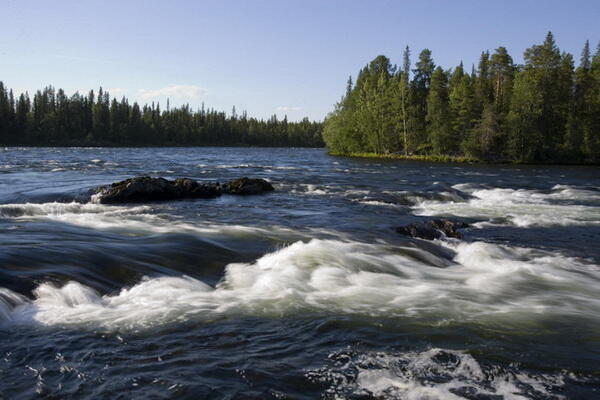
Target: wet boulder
{"points": [[245, 186], [433, 229], [193, 189], [145, 189]]}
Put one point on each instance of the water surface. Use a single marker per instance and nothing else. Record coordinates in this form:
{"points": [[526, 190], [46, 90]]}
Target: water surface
{"points": [[304, 293]]}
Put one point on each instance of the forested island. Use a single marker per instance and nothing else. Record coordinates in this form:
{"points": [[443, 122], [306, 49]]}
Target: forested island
{"points": [[52, 118], [545, 110]]}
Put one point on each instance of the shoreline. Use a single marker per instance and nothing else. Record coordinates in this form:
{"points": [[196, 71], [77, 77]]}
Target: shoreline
{"points": [[437, 158], [395, 156]]}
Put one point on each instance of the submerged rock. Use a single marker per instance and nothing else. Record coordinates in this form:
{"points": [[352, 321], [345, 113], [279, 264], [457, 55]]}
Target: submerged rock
{"points": [[433, 229], [244, 186], [143, 189]]}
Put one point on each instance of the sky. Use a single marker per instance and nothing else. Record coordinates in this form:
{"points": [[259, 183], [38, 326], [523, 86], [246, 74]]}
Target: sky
{"points": [[285, 57]]}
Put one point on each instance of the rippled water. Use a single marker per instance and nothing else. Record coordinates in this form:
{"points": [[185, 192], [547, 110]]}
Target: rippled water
{"points": [[304, 293]]}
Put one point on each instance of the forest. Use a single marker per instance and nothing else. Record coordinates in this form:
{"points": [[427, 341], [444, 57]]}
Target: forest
{"points": [[52, 118], [544, 110]]}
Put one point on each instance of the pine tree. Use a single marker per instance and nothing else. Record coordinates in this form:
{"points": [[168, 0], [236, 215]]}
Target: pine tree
{"points": [[592, 132], [5, 113], [417, 125], [580, 115], [542, 100], [404, 96], [439, 129], [463, 110], [23, 109], [502, 72], [483, 87], [525, 111], [484, 141]]}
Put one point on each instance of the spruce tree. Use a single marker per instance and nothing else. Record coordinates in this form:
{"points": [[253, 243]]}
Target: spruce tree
{"points": [[4, 113], [548, 77], [439, 131], [419, 90], [592, 133], [502, 72], [483, 87], [404, 96], [463, 109]]}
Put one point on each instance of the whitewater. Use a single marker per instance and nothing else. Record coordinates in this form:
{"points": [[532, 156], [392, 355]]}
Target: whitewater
{"points": [[307, 292]]}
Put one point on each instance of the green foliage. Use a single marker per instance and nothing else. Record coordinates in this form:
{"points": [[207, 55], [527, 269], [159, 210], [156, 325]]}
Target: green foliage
{"points": [[591, 131], [53, 119], [542, 111], [541, 102], [485, 139], [438, 115], [463, 108]]}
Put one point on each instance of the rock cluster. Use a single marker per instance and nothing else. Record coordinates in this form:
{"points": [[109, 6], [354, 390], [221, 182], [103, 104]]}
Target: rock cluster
{"points": [[247, 186], [433, 229], [143, 189]]}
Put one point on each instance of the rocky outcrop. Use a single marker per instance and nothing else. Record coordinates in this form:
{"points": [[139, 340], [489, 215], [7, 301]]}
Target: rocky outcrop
{"points": [[244, 186], [143, 189], [433, 229]]}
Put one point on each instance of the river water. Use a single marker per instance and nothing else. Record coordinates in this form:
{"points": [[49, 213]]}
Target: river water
{"points": [[307, 292]]}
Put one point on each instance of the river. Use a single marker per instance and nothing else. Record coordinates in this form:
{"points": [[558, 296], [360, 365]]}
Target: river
{"points": [[306, 292]]}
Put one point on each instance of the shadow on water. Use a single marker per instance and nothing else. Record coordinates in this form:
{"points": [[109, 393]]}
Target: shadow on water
{"points": [[58, 252], [573, 241]]}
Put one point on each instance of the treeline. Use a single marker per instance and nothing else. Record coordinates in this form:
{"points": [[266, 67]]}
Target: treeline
{"points": [[543, 111], [52, 118]]}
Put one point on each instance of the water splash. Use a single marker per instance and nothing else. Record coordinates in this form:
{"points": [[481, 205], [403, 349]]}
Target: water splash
{"points": [[486, 284]]}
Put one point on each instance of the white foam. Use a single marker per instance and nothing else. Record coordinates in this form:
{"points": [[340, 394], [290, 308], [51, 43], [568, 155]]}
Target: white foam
{"points": [[247, 165], [407, 376], [378, 203], [131, 219], [519, 207], [64, 211], [496, 285], [311, 189]]}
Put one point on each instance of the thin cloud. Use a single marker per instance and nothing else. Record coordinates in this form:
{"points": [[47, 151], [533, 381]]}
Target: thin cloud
{"points": [[116, 91], [176, 91], [286, 108]]}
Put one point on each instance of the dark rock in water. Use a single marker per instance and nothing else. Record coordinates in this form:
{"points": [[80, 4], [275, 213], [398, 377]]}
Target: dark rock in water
{"points": [[433, 229], [144, 189], [243, 186], [193, 189]]}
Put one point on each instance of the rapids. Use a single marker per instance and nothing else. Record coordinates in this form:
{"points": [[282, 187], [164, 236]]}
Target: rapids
{"points": [[305, 292]]}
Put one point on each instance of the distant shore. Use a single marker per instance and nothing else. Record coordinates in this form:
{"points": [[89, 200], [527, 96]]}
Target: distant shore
{"points": [[450, 159], [396, 156]]}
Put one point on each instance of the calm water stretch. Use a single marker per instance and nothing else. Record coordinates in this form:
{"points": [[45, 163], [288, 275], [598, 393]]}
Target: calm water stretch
{"points": [[303, 293]]}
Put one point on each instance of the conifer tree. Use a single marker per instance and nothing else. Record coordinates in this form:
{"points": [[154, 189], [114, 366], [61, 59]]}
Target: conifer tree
{"points": [[542, 99], [483, 88], [592, 132], [485, 140], [417, 125], [439, 128], [463, 110], [404, 96], [4, 113], [501, 77]]}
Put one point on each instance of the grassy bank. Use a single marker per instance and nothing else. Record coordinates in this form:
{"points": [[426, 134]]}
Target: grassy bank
{"points": [[395, 156]]}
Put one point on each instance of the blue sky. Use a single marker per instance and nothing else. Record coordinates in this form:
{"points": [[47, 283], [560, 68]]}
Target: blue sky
{"points": [[267, 57]]}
